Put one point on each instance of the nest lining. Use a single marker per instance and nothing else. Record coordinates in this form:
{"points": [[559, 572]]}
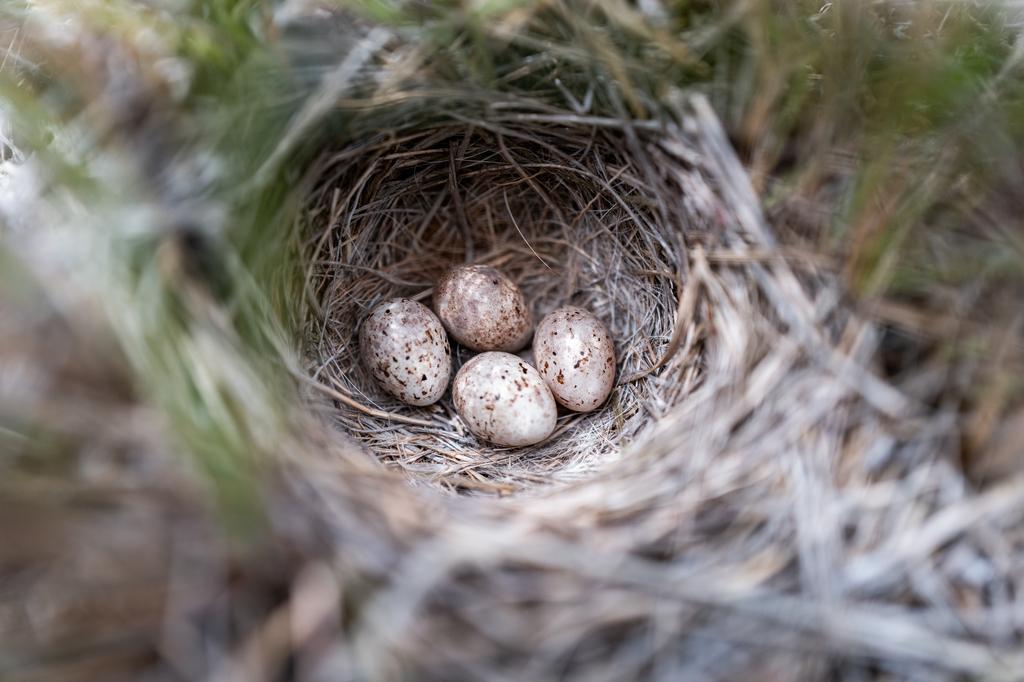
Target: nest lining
{"points": [[567, 212]]}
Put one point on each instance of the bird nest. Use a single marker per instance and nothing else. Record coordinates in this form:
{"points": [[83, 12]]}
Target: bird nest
{"points": [[752, 488]]}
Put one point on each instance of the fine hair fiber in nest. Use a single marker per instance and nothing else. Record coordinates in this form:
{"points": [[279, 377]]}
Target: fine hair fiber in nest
{"points": [[753, 498]]}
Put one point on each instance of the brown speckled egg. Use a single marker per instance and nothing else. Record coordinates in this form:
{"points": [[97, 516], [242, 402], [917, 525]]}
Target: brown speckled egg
{"points": [[483, 309], [503, 400], [575, 355], [405, 348]]}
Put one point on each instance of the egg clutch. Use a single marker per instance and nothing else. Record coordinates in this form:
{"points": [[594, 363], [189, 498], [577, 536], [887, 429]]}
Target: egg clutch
{"points": [[501, 398]]}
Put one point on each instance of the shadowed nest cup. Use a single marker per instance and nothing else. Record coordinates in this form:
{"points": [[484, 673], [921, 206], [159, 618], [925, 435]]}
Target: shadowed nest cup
{"points": [[575, 214]]}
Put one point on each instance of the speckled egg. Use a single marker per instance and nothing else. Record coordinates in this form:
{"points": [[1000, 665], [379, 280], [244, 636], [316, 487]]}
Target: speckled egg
{"points": [[503, 400], [483, 309], [576, 357], [405, 348]]}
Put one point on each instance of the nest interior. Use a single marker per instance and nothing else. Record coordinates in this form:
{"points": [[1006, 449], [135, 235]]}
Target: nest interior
{"points": [[565, 209]]}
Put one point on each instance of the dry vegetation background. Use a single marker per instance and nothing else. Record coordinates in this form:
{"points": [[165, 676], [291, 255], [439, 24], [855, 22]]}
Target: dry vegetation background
{"points": [[801, 221]]}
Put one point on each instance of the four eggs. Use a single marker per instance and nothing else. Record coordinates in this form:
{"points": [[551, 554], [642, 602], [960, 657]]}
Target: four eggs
{"points": [[501, 398]]}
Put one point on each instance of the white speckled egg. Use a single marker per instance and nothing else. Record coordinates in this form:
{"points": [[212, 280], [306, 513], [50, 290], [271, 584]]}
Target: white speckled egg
{"points": [[405, 348], [575, 355], [503, 400], [483, 309]]}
